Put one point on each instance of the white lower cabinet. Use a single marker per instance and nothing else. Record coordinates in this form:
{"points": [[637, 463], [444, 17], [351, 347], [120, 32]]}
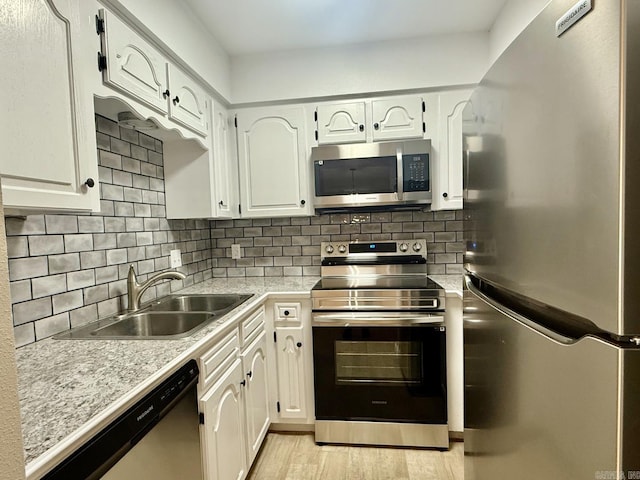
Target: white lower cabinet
{"points": [[292, 363], [234, 400], [223, 436], [291, 372], [254, 363]]}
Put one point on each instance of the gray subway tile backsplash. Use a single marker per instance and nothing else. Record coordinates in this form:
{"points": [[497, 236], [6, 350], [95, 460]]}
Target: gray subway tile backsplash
{"points": [[49, 285], [51, 325], [21, 268], [61, 223], [291, 246], [32, 310], [67, 270]]}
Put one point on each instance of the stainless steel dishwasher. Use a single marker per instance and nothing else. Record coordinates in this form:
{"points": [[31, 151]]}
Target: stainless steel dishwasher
{"points": [[157, 438]]}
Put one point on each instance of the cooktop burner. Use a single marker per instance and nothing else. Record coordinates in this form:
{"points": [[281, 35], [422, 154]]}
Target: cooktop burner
{"points": [[413, 282]]}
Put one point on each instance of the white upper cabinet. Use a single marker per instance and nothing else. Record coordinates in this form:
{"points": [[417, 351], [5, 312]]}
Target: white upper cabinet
{"points": [[47, 127], [133, 65], [273, 160], [447, 194], [341, 123], [397, 118], [199, 182], [370, 120], [225, 163], [188, 104]]}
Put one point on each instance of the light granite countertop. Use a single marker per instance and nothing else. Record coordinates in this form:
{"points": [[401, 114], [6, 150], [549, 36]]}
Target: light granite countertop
{"points": [[451, 283], [69, 389]]}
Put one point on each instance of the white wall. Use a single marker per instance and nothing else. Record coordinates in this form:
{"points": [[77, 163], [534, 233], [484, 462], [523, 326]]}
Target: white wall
{"points": [[184, 33], [513, 18], [428, 62], [11, 449]]}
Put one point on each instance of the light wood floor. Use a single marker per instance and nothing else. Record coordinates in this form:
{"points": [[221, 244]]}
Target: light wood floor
{"points": [[297, 457]]}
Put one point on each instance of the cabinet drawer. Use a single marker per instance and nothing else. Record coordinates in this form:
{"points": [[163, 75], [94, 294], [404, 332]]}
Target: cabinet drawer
{"points": [[286, 312], [215, 362], [251, 327]]}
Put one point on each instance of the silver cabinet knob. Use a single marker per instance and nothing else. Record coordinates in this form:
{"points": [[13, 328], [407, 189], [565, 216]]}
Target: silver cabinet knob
{"points": [[404, 247], [417, 247]]}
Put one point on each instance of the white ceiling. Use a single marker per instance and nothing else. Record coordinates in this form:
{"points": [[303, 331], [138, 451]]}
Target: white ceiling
{"points": [[252, 26]]}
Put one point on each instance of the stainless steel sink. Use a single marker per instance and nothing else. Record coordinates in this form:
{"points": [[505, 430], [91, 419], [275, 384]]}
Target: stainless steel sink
{"points": [[199, 303], [171, 317], [154, 324]]}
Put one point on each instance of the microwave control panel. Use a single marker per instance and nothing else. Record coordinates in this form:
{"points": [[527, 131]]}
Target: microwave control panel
{"points": [[415, 172]]}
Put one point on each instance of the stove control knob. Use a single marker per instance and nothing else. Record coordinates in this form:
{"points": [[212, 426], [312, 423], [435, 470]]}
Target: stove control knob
{"points": [[342, 248], [329, 249], [417, 247], [404, 247]]}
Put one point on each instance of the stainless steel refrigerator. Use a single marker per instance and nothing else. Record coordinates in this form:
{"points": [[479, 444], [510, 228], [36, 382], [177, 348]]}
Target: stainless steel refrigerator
{"points": [[552, 226]]}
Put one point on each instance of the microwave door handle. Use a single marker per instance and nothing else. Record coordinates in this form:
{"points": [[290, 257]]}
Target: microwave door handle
{"points": [[400, 171]]}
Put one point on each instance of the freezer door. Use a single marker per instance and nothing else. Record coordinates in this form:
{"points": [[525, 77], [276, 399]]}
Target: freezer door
{"points": [[543, 167], [536, 407]]}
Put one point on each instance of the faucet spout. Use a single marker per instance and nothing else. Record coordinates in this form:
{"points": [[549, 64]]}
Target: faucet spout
{"points": [[135, 289]]}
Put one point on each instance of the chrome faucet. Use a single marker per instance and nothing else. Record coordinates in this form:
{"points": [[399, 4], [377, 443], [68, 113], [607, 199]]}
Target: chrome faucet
{"points": [[135, 289]]}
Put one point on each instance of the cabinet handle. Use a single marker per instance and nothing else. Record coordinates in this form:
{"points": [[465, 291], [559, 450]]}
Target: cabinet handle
{"points": [[221, 203], [361, 128], [376, 126], [176, 100], [249, 373], [243, 383], [90, 182], [445, 194], [299, 344], [302, 202], [166, 93], [286, 313]]}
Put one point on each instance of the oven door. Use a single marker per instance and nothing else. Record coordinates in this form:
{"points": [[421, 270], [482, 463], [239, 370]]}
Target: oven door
{"points": [[390, 373]]}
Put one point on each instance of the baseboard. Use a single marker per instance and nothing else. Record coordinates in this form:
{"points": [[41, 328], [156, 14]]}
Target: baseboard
{"points": [[310, 428], [292, 428]]}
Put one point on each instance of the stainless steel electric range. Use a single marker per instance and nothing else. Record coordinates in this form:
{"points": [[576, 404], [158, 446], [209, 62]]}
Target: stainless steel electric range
{"points": [[379, 346]]}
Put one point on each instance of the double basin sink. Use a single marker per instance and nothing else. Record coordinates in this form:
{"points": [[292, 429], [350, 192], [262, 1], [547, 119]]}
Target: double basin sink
{"points": [[171, 317]]}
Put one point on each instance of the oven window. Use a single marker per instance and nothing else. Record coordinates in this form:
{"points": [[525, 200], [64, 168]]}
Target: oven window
{"points": [[380, 373], [362, 176], [378, 362]]}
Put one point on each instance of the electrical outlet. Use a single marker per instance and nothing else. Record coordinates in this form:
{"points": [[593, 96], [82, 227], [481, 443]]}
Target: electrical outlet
{"points": [[236, 253], [176, 258]]}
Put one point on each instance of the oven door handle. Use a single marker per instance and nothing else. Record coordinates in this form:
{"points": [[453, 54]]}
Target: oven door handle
{"points": [[375, 320]]}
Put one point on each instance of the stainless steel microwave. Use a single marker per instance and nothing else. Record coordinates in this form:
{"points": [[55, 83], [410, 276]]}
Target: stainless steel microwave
{"points": [[372, 174]]}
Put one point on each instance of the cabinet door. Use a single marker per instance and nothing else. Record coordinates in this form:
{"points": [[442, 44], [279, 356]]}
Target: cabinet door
{"points": [[397, 118], [273, 158], [133, 65], [341, 123], [448, 192], [225, 165], [47, 126], [188, 104], [290, 345], [222, 434], [254, 362]]}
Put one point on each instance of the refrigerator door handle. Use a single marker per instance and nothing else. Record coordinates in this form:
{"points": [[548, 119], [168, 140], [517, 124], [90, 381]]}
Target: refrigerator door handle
{"points": [[545, 332]]}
